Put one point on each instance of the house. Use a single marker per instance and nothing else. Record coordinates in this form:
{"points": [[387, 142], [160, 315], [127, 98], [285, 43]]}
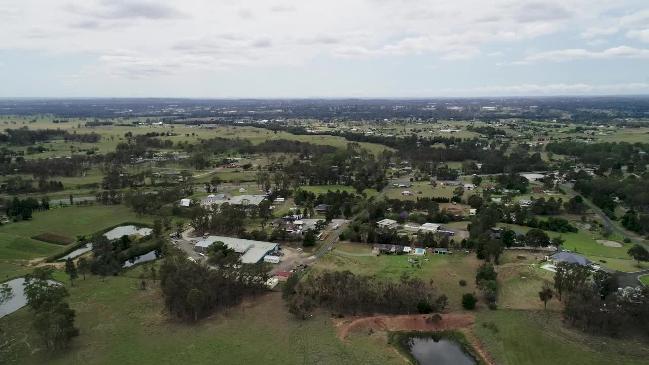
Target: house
{"points": [[441, 251], [321, 208], [280, 200], [407, 249], [251, 251], [430, 227], [571, 258], [473, 211], [243, 200], [387, 223], [469, 187], [525, 203], [406, 193], [185, 202], [388, 249]]}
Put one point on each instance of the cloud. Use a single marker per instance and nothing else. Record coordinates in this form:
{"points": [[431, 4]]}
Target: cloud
{"points": [[641, 35], [541, 11], [128, 9], [580, 53], [594, 32], [633, 88]]}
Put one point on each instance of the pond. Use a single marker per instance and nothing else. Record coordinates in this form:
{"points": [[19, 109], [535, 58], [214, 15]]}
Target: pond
{"points": [[129, 230], [429, 350], [18, 300], [78, 252], [149, 256]]}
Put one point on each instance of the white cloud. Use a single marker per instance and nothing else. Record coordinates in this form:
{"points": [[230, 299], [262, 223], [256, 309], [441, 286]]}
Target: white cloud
{"points": [[580, 53], [285, 32], [555, 89], [639, 34], [595, 32]]}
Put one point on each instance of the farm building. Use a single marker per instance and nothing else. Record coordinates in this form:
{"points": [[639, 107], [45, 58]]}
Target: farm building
{"points": [[185, 202], [251, 251]]}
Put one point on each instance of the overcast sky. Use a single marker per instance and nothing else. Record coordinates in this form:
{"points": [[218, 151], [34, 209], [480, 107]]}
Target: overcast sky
{"points": [[333, 48]]}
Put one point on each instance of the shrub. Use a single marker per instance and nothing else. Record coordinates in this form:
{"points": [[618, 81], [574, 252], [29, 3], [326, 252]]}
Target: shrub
{"points": [[462, 282], [424, 307], [468, 301]]}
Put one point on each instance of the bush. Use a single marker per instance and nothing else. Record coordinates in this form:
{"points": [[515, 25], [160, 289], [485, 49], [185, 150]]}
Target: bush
{"points": [[627, 240], [462, 282], [493, 306], [468, 301], [424, 307]]}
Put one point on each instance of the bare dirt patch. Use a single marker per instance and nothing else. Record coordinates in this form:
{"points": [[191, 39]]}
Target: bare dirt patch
{"points": [[608, 243], [407, 322]]}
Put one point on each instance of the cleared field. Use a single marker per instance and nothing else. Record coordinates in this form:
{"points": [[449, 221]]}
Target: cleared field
{"points": [[445, 270], [644, 279], [121, 324], [538, 338]]}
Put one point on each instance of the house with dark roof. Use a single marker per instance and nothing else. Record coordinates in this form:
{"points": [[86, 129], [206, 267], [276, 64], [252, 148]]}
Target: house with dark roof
{"points": [[570, 258]]}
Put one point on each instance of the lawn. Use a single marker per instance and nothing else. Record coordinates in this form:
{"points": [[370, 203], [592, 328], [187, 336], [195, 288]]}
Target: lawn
{"points": [[121, 324], [535, 337], [15, 241], [445, 271], [644, 279]]}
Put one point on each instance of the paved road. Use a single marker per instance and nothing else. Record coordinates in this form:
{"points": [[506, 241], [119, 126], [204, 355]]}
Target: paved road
{"points": [[625, 279], [608, 222], [329, 242]]}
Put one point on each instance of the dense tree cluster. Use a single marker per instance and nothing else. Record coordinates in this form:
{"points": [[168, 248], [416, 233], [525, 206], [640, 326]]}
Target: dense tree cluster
{"points": [[192, 291], [346, 293]]}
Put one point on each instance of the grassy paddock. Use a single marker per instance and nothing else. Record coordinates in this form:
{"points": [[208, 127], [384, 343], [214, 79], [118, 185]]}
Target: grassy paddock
{"points": [[535, 337], [16, 241], [121, 324], [445, 270]]}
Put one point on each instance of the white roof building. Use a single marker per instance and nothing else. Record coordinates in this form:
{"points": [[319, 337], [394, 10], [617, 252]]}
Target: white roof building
{"points": [[245, 199], [387, 223], [251, 251], [185, 202]]}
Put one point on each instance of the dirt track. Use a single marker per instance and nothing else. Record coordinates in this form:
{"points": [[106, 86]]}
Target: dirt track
{"points": [[462, 322]]}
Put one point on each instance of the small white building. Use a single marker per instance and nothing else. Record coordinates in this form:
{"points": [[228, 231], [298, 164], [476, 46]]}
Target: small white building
{"points": [[387, 223], [406, 193], [272, 259], [430, 227], [469, 187], [185, 202], [473, 211]]}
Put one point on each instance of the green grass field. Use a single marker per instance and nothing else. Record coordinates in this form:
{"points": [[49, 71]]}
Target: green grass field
{"points": [[540, 338], [120, 324], [15, 241], [445, 271]]}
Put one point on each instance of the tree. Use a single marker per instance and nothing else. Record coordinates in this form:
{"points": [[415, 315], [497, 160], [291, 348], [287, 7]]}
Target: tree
{"points": [[157, 228], [468, 301], [71, 270], [536, 238], [545, 295], [264, 212], [475, 201], [569, 277], [83, 266], [476, 180], [309, 238], [196, 299], [179, 228], [639, 253], [215, 181], [6, 293], [53, 317]]}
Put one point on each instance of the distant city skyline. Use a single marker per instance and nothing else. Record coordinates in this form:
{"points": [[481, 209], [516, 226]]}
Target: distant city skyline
{"points": [[333, 49]]}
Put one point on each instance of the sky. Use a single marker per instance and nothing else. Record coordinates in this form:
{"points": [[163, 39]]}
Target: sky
{"points": [[328, 49]]}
